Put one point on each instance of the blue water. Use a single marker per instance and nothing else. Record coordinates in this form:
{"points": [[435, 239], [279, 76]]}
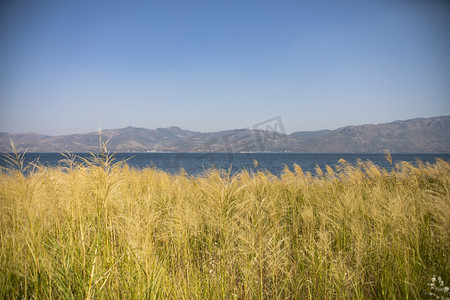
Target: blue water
{"points": [[196, 163]]}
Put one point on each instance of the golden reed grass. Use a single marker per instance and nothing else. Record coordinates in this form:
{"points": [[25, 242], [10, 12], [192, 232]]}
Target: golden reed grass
{"points": [[113, 232]]}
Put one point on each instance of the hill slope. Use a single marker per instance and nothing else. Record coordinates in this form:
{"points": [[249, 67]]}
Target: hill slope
{"points": [[416, 135], [422, 135]]}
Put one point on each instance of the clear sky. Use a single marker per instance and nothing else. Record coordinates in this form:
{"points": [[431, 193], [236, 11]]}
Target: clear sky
{"points": [[70, 66]]}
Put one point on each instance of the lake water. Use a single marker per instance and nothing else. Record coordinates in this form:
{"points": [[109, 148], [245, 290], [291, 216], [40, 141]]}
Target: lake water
{"points": [[196, 163]]}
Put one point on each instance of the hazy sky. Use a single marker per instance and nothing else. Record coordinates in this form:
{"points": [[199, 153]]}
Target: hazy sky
{"points": [[70, 66]]}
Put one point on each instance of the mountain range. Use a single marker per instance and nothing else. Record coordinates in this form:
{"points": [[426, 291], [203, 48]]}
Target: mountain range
{"points": [[421, 135]]}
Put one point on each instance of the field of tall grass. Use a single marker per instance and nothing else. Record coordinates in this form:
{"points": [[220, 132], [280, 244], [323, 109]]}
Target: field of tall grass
{"points": [[108, 231]]}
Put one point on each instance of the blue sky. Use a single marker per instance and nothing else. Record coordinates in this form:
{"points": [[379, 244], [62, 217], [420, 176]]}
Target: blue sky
{"points": [[70, 66]]}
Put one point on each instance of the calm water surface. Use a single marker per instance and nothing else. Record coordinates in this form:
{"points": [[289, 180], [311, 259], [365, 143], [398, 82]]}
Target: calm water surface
{"points": [[196, 163]]}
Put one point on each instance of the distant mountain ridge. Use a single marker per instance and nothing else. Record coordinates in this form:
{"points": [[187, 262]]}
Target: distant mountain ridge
{"points": [[421, 135]]}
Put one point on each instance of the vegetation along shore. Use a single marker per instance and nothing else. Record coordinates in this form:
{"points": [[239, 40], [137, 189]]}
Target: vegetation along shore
{"points": [[104, 230]]}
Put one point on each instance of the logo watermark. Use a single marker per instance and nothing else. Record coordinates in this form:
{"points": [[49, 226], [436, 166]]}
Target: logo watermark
{"points": [[258, 138]]}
